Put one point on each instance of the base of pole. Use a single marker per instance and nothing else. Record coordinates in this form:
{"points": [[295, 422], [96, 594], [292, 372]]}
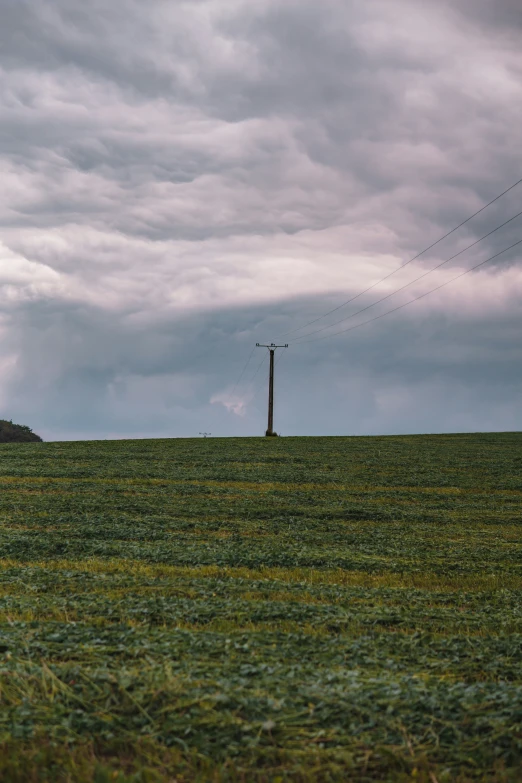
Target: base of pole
{"points": [[271, 434]]}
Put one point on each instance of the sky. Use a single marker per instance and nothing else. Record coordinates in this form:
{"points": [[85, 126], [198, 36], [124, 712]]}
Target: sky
{"points": [[181, 180]]}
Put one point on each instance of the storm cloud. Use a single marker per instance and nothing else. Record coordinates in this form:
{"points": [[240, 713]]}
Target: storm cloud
{"points": [[183, 179]]}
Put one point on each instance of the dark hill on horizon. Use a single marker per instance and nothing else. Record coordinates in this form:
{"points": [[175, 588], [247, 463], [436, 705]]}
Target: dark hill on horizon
{"points": [[17, 433]]}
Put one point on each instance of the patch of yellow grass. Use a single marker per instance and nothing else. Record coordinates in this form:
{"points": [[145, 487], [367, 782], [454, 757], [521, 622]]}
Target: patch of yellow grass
{"points": [[304, 576], [260, 486]]}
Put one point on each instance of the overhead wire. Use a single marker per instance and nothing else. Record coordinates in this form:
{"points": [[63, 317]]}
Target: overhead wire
{"points": [[304, 338], [243, 371], [285, 348], [406, 285], [258, 389], [252, 379], [416, 299], [374, 285], [260, 386], [225, 409]]}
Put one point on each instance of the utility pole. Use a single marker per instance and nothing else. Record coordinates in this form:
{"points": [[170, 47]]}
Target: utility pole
{"points": [[272, 348]]}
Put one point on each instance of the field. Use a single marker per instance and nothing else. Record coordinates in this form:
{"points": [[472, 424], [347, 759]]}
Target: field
{"points": [[305, 609]]}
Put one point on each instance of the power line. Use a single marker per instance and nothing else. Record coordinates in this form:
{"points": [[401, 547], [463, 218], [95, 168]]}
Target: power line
{"points": [[421, 296], [262, 384], [243, 371], [231, 395], [280, 355], [292, 331], [415, 280], [254, 376], [258, 367], [259, 387]]}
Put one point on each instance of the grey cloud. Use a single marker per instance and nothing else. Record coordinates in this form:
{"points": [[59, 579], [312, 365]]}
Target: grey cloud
{"points": [[504, 14], [193, 173], [426, 374], [342, 102]]}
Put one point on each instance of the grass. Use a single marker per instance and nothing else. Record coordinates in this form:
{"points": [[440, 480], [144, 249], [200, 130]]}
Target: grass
{"points": [[305, 609]]}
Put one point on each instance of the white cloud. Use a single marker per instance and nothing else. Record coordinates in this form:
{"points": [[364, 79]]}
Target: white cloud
{"points": [[22, 279], [232, 403]]}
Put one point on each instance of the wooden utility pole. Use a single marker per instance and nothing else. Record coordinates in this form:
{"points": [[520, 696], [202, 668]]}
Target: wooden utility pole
{"points": [[272, 348]]}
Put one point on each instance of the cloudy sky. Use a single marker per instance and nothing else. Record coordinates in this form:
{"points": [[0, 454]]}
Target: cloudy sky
{"points": [[181, 180]]}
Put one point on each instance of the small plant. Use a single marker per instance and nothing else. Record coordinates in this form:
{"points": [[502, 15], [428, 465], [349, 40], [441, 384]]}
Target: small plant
{"points": [[17, 433]]}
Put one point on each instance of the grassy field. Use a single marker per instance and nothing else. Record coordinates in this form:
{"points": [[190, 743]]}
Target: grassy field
{"points": [[305, 609]]}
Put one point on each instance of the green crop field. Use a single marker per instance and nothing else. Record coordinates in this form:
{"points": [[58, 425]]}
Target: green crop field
{"points": [[305, 609]]}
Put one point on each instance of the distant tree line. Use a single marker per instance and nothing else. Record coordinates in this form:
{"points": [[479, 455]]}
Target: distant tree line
{"points": [[17, 433]]}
